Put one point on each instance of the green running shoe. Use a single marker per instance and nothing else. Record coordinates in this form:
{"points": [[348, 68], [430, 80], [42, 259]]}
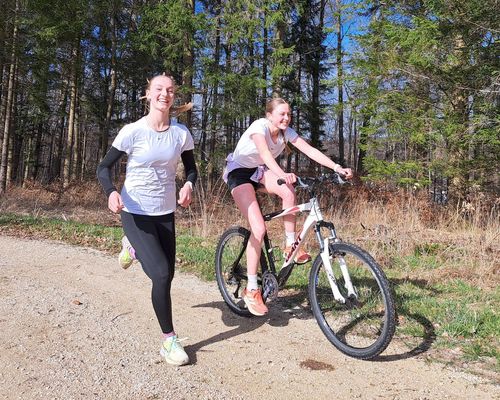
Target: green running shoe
{"points": [[173, 352]]}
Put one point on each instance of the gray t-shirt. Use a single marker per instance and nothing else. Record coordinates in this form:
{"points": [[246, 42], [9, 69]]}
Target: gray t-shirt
{"points": [[149, 187]]}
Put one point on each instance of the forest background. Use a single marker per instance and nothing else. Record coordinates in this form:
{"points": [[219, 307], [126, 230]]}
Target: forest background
{"points": [[406, 93]]}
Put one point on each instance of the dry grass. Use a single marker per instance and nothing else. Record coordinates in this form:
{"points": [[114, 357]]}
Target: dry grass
{"points": [[460, 242], [83, 202], [393, 226], [399, 225]]}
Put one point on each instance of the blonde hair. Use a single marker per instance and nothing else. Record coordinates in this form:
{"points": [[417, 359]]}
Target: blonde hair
{"points": [[148, 86], [273, 103]]}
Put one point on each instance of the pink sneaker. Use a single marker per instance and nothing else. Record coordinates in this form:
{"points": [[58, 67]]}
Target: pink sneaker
{"points": [[301, 257], [254, 302]]}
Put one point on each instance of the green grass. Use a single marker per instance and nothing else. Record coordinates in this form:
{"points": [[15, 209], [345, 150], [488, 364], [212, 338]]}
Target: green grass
{"points": [[195, 253], [97, 236], [449, 314]]}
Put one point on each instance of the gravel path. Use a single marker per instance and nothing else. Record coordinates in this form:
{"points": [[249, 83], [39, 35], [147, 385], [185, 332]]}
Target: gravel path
{"points": [[73, 325]]}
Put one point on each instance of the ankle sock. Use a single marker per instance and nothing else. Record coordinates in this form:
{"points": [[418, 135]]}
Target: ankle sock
{"points": [[131, 251], [252, 282], [167, 335], [289, 238]]}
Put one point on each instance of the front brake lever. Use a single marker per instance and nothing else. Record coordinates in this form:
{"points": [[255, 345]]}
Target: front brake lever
{"points": [[302, 183], [340, 179]]}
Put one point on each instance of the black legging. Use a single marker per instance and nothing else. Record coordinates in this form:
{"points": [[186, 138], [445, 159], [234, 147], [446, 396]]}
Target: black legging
{"points": [[153, 239]]}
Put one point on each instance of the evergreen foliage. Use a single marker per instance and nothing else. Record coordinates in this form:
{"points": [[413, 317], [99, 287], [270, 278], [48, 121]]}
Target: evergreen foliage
{"points": [[403, 92]]}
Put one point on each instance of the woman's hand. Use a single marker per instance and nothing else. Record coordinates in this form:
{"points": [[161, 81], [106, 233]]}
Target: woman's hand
{"points": [[185, 195], [115, 203], [345, 172], [289, 178]]}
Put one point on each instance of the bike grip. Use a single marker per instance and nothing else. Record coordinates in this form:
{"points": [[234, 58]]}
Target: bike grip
{"points": [[281, 181]]}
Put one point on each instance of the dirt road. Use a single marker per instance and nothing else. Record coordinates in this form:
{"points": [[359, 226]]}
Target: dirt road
{"points": [[73, 325]]}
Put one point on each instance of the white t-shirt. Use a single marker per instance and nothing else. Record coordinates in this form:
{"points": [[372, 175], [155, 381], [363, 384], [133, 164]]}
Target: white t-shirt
{"points": [[149, 187], [246, 154]]}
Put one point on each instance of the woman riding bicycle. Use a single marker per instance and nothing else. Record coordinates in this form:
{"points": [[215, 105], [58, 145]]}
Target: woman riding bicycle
{"points": [[253, 165]]}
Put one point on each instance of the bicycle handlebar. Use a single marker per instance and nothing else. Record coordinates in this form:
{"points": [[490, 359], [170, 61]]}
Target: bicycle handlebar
{"points": [[306, 182]]}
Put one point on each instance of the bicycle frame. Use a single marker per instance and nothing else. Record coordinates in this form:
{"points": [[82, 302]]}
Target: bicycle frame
{"points": [[315, 217]]}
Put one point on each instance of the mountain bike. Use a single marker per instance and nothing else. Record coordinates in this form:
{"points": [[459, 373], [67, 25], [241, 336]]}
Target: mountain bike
{"points": [[348, 292]]}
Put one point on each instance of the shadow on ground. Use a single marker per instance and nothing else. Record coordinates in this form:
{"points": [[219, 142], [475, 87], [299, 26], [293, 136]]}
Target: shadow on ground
{"points": [[295, 306]]}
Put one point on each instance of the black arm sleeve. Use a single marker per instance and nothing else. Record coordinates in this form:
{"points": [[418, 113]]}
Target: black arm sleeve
{"points": [[104, 169], [189, 166]]}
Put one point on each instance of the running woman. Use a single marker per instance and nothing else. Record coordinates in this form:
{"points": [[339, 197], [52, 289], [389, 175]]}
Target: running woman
{"points": [[154, 145]]}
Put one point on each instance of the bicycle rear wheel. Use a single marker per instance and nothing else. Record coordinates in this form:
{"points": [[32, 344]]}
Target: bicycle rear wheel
{"points": [[363, 326], [231, 268]]}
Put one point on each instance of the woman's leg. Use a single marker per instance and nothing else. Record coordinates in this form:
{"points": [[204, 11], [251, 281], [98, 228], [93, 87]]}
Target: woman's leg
{"points": [[287, 194], [154, 250], [244, 196], [166, 230], [245, 199]]}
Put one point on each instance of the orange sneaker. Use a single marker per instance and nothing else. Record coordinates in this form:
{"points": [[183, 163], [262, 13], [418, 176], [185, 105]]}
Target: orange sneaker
{"points": [[254, 302], [301, 257]]}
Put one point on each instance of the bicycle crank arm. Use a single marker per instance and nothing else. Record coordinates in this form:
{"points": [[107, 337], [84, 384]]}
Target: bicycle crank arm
{"points": [[325, 256]]}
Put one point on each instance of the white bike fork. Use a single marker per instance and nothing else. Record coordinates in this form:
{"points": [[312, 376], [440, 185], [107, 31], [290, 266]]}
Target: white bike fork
{"points": [[325, 257], [347, 278]]}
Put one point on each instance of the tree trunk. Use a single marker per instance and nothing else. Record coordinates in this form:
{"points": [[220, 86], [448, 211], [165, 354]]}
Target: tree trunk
{"points": [[112, 87], [37, 150], [279, 38], [265, 60], [363, 140], [187, 73], [77, 147], [204, 124], [340, 85], [3, 103], [69, 148], [215, 102], [9, 106], [55, 161]]}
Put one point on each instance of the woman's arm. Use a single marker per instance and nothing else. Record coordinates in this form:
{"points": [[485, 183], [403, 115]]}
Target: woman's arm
{"points": [[185, 194], [190, 169], [316, 155], [115, 203], [267, 157], [104, 169]]}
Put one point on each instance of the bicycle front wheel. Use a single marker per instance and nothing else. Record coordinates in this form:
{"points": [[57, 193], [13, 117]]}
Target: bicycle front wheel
{"points": [[231, 268], [364, 324]]}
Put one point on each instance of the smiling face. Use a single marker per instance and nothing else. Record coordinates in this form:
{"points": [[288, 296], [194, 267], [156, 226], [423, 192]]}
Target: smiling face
{"points": [[279, 115], [160, 93]]}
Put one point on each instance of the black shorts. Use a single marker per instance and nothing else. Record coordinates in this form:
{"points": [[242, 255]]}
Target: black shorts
{"points": [[239, 176]]}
